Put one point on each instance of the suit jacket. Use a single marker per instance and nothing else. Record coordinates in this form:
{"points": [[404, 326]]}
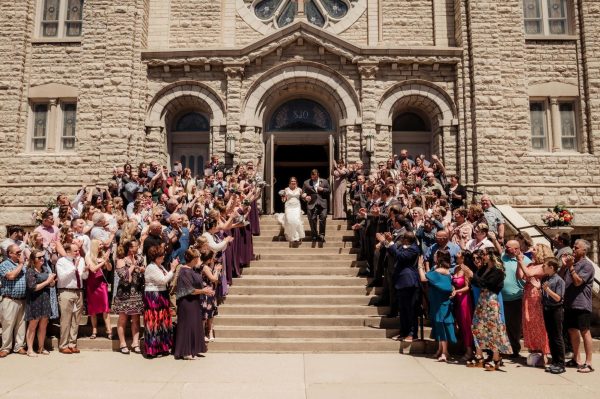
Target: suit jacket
{"points": [[316, 198], [405, 271]]}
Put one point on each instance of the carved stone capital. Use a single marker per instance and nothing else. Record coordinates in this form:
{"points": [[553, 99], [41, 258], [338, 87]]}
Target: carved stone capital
{"points": [[234, 71], [368, 71]]}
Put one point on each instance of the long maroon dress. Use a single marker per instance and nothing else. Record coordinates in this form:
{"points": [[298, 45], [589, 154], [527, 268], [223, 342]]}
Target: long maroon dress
{"points": [[463, 311]]}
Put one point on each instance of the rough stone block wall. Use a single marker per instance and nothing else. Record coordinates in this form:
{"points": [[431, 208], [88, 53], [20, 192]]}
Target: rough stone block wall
{"points": [[408, 22], [195, 23], [589, 15], [357, 33], [245, 34]]}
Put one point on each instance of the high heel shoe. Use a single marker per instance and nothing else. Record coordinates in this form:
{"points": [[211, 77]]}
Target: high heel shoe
{"points": [[475, 361], [493, 366]]}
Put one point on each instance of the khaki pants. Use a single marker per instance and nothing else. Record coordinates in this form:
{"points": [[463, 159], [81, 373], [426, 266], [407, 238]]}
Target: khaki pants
{"points": [[12, 314], [71, 308]]}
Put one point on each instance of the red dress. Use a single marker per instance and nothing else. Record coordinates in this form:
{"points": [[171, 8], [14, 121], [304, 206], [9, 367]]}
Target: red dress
{"points": [[534, 332], [97, 293]]}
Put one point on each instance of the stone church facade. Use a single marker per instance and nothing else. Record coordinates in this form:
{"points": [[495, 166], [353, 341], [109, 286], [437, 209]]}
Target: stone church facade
{"points": [[507, 93]]}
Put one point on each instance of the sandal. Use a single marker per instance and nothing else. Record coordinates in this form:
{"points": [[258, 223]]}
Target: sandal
{"points": [[585, 368], [442, 358], [124, 350], [487, 366], [109, 337], [43, 352], [572, 363], [475, 361], [136, 349], [93, 336]]}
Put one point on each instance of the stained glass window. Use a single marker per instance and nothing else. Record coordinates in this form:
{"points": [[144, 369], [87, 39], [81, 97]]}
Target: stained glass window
{"points": [[318, 12], [74, 17], [537, 111], [546, 17], [533, 16], [50, 18], [192, 122], [40, 119], [557, 16], [568, 126], [300, 115], [69, 122]]}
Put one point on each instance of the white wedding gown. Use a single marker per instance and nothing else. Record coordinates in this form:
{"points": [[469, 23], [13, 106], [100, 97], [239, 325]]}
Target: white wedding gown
{"points": [[291, 220]]}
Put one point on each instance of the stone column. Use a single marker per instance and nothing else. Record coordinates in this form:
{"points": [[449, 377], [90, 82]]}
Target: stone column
{"points": [[373, 22], [248, 144], [383, 143], [156, 144], [368, 72], [52, 135], [555, 116], [234, 73], [353, 144]]}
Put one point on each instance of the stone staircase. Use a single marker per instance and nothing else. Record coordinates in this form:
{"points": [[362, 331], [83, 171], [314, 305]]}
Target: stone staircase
{"points": [[302, 299]]}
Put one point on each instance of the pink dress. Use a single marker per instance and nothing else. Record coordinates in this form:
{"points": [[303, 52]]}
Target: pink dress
{"points": [[463, 311], [534, 332], [97, 293]]}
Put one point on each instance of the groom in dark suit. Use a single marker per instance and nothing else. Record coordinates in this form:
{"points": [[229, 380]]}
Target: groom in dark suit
{"points": [[315, 193]]}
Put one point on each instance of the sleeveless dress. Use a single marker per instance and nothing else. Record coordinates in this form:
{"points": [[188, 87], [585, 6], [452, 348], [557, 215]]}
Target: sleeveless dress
{"points": [[291, 220], [97, 293], [209, 303], [463, 310], [534, 332], [440, 306], [128, 298]]}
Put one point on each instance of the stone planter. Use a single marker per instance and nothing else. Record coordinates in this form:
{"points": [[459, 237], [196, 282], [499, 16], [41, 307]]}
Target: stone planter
{"points": [[552, 231]]}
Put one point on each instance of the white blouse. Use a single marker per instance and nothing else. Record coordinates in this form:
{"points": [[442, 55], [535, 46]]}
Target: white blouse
{"points": [[156, 277]]}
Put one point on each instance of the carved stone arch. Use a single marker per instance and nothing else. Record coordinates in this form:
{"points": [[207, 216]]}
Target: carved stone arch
{"points": [[256, 102], [188, 91], [417, 94]]}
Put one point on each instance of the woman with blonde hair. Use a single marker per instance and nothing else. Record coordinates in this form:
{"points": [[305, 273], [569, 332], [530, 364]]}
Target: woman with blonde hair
{"points": [[97, 287], [534, 333]]}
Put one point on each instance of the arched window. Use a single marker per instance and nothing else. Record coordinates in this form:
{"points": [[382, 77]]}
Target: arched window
{"points": [[300, 114], [409, 122], [192, 122], [318, 12]]}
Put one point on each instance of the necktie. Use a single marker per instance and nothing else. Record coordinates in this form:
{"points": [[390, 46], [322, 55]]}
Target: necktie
{"points": [[76, 262]]}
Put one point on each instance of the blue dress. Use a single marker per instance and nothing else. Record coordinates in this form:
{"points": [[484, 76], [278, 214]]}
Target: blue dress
{"points": [[440, 306]]}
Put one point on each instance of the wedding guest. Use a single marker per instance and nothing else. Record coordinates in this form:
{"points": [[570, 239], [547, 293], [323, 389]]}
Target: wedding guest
{"points": [[211, 275], [12, 306], [579, 279], [553, 291], [494, 218], [39, 279], [340, 174], [189, 336], [128, 300], [457, 193], [47, 229], [440, 313], [463, 303], [461, 231], [97, 287], [70, 272], [158, 327]]}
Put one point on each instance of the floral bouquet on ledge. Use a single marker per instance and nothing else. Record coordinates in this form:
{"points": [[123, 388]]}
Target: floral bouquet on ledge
{"points": [[36, 216], [559, 216]]}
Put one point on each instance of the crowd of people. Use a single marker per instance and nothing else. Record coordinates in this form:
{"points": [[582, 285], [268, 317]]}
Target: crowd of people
{"points": [[150, 244], [169, 244], [436, 253]]}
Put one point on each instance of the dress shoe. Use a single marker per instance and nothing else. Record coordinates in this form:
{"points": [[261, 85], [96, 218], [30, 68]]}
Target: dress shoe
{"points": [[21, 351], [65, 351], [314, 239], [75, 350], [322, 238], [375, 283], [3, 354]]}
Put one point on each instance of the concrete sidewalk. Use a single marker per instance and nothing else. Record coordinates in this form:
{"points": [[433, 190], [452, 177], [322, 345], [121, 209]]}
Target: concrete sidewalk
{"points": [[287, 376]]}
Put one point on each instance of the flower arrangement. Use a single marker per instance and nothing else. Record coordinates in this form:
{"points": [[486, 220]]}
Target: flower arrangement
{"points": [[558, 216], [36, 216]]}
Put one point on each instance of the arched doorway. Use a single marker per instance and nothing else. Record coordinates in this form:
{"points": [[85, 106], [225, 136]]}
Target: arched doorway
{"points": [[412, 132], [300, 137], [189, 140]]}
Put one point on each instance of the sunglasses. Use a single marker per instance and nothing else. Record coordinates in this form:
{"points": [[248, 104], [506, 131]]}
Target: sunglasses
{"points": [[39, 257]]}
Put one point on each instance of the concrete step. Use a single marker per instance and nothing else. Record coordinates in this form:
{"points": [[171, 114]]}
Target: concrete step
{"points": [[299, 281], [301, 271], [303, 310], [277, 250], [280, 255], [301, 290], [283, 299], [298, 332], [298, 320], [306, 246], [314, 261], [337, 239], [305, 345]]}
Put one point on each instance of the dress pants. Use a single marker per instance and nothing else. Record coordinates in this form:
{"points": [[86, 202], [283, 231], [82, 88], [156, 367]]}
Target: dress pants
{"points": [[513, 312], [553, 320], [408, 302], [318, 213], [71, 309], [12, 314]]}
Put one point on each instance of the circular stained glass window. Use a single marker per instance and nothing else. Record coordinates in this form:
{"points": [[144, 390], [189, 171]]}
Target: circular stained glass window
{"points": [[321, 13]]}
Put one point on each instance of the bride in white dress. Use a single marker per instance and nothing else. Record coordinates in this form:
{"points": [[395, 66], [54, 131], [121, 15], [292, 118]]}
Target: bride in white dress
{"points": [[291, 220]]}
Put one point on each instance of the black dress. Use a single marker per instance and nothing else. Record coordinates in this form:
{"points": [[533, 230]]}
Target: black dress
{"points": [[189, 334], [37, 304]]}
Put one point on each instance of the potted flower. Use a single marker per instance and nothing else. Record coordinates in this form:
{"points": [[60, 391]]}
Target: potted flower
{"points": [[558, 219]]}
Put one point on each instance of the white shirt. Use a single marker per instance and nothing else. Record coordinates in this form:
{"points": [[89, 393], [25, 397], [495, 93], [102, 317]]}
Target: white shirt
{"points": [[472, 245], [86, 242], [65, 273], [156, 278], [213, 245]]}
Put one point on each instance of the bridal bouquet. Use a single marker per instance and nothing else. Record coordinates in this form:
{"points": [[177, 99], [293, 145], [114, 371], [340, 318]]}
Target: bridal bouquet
{"points": [[558, 216], [281, 193]]}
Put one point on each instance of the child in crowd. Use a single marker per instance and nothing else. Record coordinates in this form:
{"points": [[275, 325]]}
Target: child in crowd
{"points": [[553, 291]]}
